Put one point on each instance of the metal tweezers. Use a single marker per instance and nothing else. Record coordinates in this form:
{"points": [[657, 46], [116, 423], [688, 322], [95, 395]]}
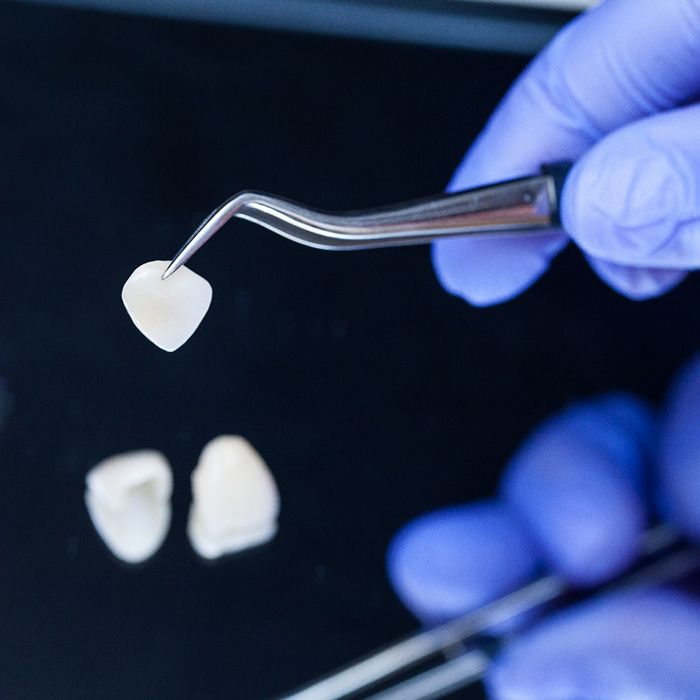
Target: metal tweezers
{"points": [[462, 647], [523, 207], [526, 206]]}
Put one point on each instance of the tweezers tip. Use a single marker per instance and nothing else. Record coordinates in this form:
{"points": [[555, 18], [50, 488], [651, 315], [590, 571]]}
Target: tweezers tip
{"points": [[172, 267]]}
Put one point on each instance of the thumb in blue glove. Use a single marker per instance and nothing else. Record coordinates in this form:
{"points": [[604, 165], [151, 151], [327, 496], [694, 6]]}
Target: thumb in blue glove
{"points": [[605, 93]]}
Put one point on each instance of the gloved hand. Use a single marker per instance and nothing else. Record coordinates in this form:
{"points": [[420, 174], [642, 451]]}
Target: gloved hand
{"points": [[614, 92], [575, 499]]}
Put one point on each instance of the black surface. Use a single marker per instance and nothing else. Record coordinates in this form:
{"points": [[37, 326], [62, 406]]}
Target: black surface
{"points": [[371, 393]]}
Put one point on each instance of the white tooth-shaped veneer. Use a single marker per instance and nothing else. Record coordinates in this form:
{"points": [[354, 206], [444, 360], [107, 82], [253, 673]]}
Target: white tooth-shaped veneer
{"points": [[128, 499], [166, 311], [235, 499]]}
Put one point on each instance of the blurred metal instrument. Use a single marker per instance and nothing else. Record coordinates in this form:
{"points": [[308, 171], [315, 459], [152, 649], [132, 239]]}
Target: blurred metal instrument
{"points": [[520, 207], [465, 656]]}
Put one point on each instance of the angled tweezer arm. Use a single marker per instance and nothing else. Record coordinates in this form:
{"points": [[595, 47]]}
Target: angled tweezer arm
{"points": [[516, 207]]}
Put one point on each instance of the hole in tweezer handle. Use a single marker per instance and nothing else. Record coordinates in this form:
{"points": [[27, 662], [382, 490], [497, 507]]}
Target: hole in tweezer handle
{"points": [[462, 670]]}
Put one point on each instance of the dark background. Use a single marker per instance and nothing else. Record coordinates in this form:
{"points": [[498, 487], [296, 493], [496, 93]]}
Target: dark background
{"points": [[372, 394]]}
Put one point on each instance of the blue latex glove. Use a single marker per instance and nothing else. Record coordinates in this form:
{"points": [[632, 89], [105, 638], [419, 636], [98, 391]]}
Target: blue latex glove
{"points": [[575, 499], [612, 93]]}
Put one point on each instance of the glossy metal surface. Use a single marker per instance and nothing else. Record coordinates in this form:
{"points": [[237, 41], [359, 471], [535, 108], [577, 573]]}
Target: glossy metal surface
{"points": [[456, 674], [517, 207], [451, 675]]}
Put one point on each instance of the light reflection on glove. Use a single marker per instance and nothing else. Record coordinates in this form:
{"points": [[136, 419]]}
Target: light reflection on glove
{"points": [[611, 92], [575, 499]]}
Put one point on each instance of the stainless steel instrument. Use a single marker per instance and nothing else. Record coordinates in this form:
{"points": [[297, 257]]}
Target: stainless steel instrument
{"points": [[456, 650], [521, 207]]}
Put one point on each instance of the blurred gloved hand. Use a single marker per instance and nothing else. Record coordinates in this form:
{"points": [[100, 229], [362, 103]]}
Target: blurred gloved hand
{"points": [[575, 499], [614, 92]]}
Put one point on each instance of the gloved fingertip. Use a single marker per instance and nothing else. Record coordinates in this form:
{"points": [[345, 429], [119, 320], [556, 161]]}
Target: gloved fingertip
{"points": [[577, 483], [637, 283], [641, 645], [487, 272], [633, 200], [448, 562], [463, 176], [631, 437]]}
